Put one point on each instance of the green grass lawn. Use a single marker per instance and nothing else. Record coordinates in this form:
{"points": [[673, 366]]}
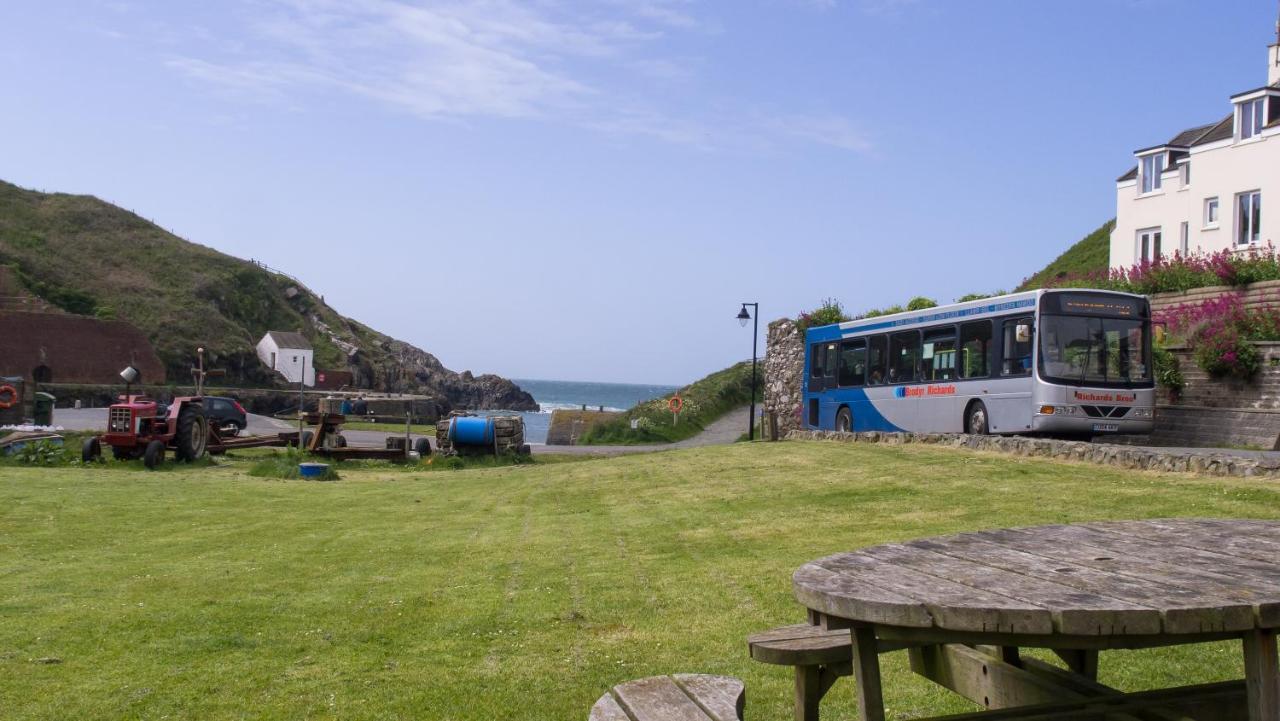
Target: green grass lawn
{"points": [[493, 593]]}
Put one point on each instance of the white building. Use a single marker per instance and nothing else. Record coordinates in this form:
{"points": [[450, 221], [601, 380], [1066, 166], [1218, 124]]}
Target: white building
{"points": [[290, 354], [1204, 189]]}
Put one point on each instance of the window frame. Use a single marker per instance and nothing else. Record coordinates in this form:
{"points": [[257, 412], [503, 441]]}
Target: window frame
{"points": [[1031, 355], [1251, 225], [1150, 180], [961, 372], [1156, 235], [934, 334], [883, 368], [892, 356], [1212, 212], [1251, 114], [862, 381]]}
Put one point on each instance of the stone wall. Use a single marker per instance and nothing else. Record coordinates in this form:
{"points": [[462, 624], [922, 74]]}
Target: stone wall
{"points": [[783, 377], [74, 348], [1265, 294], [1215, 463]]}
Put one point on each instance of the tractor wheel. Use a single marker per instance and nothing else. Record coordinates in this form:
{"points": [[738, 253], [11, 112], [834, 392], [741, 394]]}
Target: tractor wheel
{"points": [[154, 454], [92, 450], [423, 447], [193, 433]]}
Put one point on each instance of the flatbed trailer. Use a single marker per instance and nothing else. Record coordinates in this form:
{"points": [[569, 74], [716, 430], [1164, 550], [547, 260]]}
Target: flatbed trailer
{"points": [[327, 441]]}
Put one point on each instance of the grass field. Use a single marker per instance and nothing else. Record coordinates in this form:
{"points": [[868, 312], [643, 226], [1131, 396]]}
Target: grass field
{"points": [[511, 592]]}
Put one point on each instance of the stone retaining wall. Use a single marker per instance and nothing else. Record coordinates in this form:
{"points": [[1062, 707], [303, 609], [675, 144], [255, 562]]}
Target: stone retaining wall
{"points": [[1211, 463]]}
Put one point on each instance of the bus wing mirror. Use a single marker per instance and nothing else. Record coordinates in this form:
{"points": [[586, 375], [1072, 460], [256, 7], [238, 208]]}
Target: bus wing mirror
{"points": [[1023, 333]]}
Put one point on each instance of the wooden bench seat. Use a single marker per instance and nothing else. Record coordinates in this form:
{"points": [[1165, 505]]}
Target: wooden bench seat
{"points": [[678, 697], [819, 656]]}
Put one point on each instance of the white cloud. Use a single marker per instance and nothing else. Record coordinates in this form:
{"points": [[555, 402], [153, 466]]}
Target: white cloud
{"points": [[490, 58]]}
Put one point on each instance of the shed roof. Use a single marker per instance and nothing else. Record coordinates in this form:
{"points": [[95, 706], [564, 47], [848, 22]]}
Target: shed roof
{"points": [[289, 339]]}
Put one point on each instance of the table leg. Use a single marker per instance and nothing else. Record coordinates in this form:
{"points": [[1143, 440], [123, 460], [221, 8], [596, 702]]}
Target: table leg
{"points": [[866, 674], [808, 692], [1262, 675], [1082, 661]]}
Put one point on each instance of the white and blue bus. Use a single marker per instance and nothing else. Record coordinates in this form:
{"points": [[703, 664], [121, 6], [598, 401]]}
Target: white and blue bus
{"points": [[1062, 362]]}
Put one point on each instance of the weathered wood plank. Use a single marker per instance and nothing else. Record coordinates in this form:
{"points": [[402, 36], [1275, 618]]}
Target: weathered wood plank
{"points": [[984, 679], [1228, 614], [722, 697], [800, 645], [1204, 702], [1240, 539], [607, 709], [1075, 611], [1137, 559]]}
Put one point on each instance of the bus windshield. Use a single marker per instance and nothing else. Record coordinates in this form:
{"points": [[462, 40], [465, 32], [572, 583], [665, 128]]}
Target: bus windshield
{"points": [[1095, 351]]}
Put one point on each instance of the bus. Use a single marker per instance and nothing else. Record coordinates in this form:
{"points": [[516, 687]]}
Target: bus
{"points": [[1065, 362]]}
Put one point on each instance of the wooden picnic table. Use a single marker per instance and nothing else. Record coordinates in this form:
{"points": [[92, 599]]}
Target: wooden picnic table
{"points": [[963, 605]]}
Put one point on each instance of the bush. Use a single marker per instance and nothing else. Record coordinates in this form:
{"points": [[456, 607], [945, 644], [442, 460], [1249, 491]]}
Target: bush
{"points": [[1181, 272], [920, 303], [1168, 370], [1220, 331], [829, 312], [1222, 350]]}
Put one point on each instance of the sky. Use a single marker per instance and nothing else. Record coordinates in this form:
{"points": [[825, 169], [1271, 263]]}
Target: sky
{"points": [[588, 190]]}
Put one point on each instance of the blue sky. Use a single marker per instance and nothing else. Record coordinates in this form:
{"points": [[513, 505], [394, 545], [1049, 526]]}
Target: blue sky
{"points": [[587, 190]]}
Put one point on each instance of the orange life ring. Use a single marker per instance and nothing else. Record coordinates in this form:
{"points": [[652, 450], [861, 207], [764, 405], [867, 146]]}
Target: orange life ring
{"points": [[675, 404], [8, 396]]}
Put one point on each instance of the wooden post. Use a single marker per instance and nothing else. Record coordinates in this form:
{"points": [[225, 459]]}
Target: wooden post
{"points": [[808, 692], [1262, 675], [866, 673]]}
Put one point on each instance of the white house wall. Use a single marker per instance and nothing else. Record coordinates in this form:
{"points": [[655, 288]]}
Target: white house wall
{"points": [[1222, 170]]}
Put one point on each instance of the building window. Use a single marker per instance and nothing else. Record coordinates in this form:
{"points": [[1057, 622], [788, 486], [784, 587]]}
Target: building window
{"points": [[1152, 167], [1248, 217], [1184, 241], [1184, 171], [1149, 245], [1211, 213], [1253, 115]]}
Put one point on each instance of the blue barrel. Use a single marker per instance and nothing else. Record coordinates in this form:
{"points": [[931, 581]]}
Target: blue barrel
{"points": [[346, 406], [313, 470], [471, 431]]}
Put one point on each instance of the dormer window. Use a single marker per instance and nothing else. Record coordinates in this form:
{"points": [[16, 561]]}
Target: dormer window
{"points": [[1252, 116], [1152, 167]]}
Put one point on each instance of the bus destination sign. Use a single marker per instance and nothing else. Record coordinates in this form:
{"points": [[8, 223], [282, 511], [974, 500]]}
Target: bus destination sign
{"points": [[1081, 304]]}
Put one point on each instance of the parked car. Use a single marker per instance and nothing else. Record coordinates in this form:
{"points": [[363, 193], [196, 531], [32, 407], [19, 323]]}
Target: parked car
{"points": [[225, 414]]}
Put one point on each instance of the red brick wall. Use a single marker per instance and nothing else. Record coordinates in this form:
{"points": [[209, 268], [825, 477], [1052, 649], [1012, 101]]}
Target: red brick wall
{"points": [[331, 380], [75, 348]]}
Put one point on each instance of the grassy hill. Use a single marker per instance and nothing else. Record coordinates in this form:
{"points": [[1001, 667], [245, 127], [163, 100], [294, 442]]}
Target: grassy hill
{"points": [[89, 257], [1091, 253]]}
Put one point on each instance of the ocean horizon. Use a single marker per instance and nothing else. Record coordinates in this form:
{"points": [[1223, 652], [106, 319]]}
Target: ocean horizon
{"points": [[552, 394]]}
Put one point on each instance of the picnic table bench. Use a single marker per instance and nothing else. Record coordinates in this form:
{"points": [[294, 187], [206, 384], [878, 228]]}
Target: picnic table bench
{"points": [[964, 605]]}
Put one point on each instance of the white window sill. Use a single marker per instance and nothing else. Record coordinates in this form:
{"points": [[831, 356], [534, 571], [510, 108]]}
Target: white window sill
{"points": [[1215, 226], [1152, 194], [1246, 141]]}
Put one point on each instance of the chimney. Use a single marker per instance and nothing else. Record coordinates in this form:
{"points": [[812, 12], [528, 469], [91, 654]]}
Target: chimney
{"points": [[1273, 59]]}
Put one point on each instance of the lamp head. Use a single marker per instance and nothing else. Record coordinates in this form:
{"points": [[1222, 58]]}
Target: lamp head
{"points": [[130, 374], [743, 316]]}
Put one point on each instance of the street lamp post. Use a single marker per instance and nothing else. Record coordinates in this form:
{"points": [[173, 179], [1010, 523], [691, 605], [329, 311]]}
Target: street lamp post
{"points": [[743, 317]]}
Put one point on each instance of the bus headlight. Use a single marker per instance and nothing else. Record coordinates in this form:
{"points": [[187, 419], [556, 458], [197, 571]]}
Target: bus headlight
{"points": [[1058, 410], [1140, 413]]}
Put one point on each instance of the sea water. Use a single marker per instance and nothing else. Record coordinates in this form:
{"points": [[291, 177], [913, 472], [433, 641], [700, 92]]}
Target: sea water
{"points": [[551, 395]]}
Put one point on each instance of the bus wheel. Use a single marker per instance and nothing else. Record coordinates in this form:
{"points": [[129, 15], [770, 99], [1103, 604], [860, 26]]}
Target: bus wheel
{"points": [[976, 419], [844, 421]]}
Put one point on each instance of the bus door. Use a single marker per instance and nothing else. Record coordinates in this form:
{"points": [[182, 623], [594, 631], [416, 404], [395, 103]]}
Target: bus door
{"points": [[1009, 406], [939, 409], [822, 380]]}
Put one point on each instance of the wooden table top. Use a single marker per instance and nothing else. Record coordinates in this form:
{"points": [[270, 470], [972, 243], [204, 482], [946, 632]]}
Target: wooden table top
{"points": [[1183, 576]]}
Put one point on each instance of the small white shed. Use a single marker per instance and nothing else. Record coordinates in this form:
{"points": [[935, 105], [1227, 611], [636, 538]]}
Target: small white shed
{"points": [[290, 354]]}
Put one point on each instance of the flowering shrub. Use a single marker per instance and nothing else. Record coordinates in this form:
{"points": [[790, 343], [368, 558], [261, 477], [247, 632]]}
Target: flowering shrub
{"points": [[1221, 330], [829, 312], [1182, 272]]}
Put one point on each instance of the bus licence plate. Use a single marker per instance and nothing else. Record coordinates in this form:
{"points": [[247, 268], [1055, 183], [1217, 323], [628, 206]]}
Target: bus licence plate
{"points": [[1104, 427]]}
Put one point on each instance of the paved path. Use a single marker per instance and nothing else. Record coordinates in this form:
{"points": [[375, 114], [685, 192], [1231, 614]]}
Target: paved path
{"points": [[95, 419]]}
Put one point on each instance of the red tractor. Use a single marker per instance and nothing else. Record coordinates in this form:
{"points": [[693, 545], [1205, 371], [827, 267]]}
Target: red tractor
{"points": [[141, 427]]}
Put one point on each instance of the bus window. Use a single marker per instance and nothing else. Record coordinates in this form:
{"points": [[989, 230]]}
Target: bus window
{"points": [[829, 365], [853, 363], [938, 355], [904, 353], [816, 364], [975, 344], [875, 360], [1016, 355]]}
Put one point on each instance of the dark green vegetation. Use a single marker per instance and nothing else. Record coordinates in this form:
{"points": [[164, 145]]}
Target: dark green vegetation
{"points": [[704, 401], [92, 258], [1092, 254], [522, 591]]}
